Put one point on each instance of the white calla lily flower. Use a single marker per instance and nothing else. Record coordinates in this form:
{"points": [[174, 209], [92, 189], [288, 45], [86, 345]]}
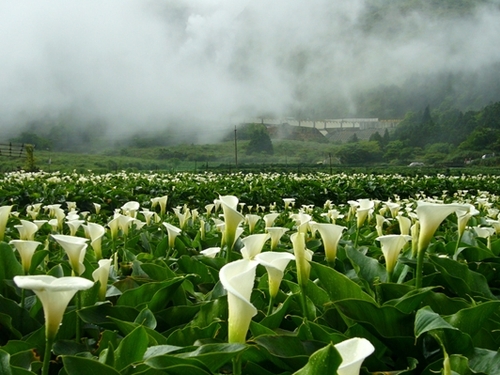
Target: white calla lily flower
{"points": [[275, 263], [130, 208], [331, 235], [26, 249], [211, 252], [96, 232], [276, 233], [253, 245], [172, 232], [238, 279], [430, 216], [232, 220], [101, 274], [27, 230], [252, 220], [302, 257], [353, 352], [4, 217], [75, 248], [404, 224], [392, 244], [269, 219], [54, 294]]}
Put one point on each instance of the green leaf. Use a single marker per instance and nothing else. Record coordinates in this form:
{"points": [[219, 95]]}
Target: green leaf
{"points": [[132, 348], [367, 268], [154, 337], [9, 266], [85, 366], [158, 272], [455, 341], [387, 321], [411, 300], [173, 364], [274, 320], [103, 313], [323, 361], [5, 363], [287, 352], [487, 361], [146, 318], [190, 334], [214, 356], [155, 295], [337, 285], [471, 320], [460, 279]]}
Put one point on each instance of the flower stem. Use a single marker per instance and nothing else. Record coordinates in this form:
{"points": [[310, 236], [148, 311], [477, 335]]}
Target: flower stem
{"points": [[420, 268], [237, 365], [78, 323], [47, 355], [270, 306]]}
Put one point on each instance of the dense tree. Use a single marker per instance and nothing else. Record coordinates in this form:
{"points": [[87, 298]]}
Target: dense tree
{"points": [[260, 141]]}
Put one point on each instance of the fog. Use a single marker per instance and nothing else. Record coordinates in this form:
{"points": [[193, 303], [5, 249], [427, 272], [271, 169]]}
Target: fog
{"points": [[201, 65]]}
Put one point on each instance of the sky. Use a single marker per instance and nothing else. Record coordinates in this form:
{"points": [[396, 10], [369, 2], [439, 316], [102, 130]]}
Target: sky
{"points": [[146, 64]]}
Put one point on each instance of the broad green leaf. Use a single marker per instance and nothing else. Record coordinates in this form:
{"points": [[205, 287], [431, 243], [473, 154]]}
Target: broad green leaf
{"points": [[159, 350], [287, 352], [154, 337], [387, 321], [191, 265], [274, 320], [411, 301], [215, 310], [323, 361], [103, 313], [37, 258], [189, 335], [146, 318], [487, 361], [214, 356], [258, 329], [158, 272], [132, 348], [5, 363], [9, 266], [460, 279], [470, 320], [337, 285], [455, 341], [367, 268], [173, 364], [155, 295], [85, 366]]}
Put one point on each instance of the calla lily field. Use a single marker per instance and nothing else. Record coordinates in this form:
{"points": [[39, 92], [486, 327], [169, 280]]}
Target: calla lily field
{"points": [[244, 273]]}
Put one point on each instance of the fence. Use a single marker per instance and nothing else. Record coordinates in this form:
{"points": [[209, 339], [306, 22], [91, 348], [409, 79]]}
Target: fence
{"points": [[12, 150]]}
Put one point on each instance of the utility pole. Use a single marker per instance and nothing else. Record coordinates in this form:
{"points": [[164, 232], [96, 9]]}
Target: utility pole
{"points": [[235, 147]]}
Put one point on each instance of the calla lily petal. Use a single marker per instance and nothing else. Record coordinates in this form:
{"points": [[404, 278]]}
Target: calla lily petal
{"points": [[4, 217], [253, 245], [430, 216], [276, 233], [101, 274], [238, 278], [331, 235], [353, 353], [27, 230], [302, 257], [26, 249], [75, 248], [275, 264], [232, 219], [211, 252], [54, 294], [392, 244]]}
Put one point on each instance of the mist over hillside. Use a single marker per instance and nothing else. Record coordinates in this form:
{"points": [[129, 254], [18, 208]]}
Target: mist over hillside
{"points": [[108, 70]]}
